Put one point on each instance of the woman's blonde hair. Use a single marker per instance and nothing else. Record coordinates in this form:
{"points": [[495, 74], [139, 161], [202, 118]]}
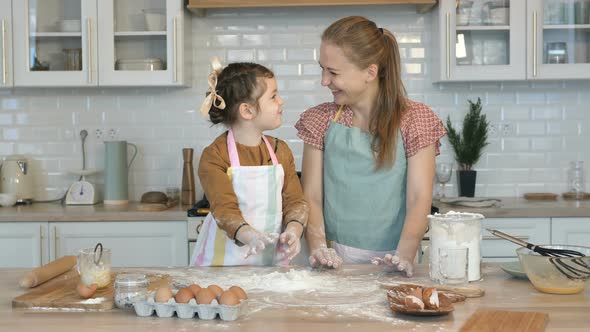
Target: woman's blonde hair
{"points": [[363, 43]]}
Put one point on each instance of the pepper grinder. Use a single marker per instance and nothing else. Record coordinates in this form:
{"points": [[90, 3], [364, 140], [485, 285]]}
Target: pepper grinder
{"points": [[188, 178]]}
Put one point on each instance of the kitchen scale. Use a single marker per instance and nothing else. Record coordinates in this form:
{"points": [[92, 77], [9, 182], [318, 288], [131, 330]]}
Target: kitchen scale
{"points": [[82, 192]]}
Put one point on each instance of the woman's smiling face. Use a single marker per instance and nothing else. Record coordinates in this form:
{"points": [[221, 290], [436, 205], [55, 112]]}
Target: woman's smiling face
{"points": [[347, 82]]}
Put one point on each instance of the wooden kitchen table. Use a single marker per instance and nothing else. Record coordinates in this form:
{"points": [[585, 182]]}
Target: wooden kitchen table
{"points": [[566, 312]]}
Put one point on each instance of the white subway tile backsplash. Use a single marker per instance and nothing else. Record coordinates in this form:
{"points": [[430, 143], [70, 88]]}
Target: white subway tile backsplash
{"points": [[530, 128], [548, 120]]}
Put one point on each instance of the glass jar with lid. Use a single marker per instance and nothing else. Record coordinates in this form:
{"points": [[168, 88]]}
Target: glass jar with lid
{"points": [[130, 288]]}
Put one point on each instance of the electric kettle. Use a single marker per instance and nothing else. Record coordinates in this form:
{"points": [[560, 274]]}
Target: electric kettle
{"points": [[16, 178]]}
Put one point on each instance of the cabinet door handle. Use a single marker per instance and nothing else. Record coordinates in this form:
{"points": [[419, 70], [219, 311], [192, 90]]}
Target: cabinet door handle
{"points": [[89, 39], [448, 45], [3, 52], [174, 51], [494, 238], [27, 36], [41, 243], [55, 239], [535, 43]]}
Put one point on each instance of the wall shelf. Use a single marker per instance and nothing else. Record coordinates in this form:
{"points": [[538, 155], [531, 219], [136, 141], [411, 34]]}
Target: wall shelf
{"points": [[200, 6]]}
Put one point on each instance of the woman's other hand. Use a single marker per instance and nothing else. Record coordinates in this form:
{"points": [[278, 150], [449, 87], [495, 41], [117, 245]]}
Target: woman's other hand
{"points": [[255, 240], [324, 256], [395, 262]]}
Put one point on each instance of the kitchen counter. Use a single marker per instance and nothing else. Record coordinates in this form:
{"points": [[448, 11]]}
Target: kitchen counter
{"points": [[511, 208], [566, 312], [99, 212], [522, 208]]}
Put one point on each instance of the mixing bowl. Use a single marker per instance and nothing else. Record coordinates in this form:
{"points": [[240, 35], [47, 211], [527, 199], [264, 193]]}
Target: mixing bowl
{"points": [[546, 277]]}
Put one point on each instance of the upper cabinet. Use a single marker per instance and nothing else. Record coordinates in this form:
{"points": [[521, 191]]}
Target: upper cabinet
{"points": [[55, 43], [61, 43], [144, 41], [558, 35], [480, 40], [484, 40], [5, 44]]}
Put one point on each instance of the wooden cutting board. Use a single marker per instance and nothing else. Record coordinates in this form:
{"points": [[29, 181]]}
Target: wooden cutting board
{"points": [[60, 292], [508, 321]]}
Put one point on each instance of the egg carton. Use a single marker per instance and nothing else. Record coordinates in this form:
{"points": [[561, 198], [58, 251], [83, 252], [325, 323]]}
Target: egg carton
{"points": [[189, 310]]}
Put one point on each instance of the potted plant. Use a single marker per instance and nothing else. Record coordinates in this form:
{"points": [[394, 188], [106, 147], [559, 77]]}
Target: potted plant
{"points": [[468, 146]]}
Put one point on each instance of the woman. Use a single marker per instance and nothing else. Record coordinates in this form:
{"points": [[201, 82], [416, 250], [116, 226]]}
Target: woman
{"points": [[373, 150]]}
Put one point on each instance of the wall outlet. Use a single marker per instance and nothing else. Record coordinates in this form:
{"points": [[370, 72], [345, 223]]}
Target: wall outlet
{"points": [[493, 129], [507, 129], [113, 133], [98, 133]]}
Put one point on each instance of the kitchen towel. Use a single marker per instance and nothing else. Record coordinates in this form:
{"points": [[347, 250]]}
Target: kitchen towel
{"points": [[472, 201]]}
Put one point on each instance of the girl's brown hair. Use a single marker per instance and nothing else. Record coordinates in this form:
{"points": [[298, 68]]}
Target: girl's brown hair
{"points": [[240, 82], [364, 44]]}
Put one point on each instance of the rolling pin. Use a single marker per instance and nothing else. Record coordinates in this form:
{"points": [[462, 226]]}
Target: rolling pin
{"points": [[43, 273]]}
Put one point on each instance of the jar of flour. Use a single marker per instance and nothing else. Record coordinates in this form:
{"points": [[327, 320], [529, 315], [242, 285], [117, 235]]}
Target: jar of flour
{"points": [[455, 230]]}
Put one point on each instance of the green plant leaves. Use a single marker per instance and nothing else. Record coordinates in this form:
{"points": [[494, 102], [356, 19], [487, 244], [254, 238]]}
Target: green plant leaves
{"points": [[468, 145]]}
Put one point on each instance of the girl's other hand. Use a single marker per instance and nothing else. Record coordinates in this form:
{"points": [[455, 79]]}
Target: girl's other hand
{"points": [[326, 257], [290, 240], [255, 240]]}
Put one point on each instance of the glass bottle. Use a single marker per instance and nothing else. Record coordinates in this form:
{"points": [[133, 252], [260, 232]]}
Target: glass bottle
{"points": [[575, 179], [130, 288]]}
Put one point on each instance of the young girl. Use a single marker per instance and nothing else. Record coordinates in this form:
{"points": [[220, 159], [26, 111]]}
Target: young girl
{"points": [[387, 143], [249, 178]]}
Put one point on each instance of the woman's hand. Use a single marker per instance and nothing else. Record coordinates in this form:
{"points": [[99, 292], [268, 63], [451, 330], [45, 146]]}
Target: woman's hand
{"points": [[290, 240], [395, 262], [324, 256], [255, 240]]}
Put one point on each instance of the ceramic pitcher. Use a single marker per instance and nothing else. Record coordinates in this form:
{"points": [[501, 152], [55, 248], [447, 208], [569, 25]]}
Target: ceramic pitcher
{"points": [[116, 172]]}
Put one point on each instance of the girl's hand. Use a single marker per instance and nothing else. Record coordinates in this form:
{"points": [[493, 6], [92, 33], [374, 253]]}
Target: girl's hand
{"points": [[291, 245], [255, 240], [324, 256], [395, 262]]}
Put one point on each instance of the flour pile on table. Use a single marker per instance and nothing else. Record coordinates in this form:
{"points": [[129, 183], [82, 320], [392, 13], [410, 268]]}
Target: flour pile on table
{"points": [[327, 292]]}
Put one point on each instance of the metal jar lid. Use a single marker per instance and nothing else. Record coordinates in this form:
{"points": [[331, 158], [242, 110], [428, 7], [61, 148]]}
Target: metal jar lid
{"points": [[131, 280]]}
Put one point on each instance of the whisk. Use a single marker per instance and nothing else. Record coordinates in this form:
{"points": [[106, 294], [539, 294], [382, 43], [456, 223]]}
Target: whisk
{"points": [[575, 269]]}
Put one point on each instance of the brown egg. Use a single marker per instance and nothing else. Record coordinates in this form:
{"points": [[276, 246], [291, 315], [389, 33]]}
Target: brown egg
{"points": [[430, 298], [163, 295], [239, 292], [86, 291], [195, 289], [205, 296], [229, 298], [183, 295], [216, 289]]}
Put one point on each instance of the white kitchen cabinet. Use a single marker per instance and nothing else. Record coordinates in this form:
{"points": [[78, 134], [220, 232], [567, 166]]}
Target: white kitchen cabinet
{"points": [[479, 40], [146, 243], [23, 244], [558, 35], [143, 243], [163, 37], [534, 230], [6, 44], [572, 231], [55, 43], [483, 40], [63, 43]]}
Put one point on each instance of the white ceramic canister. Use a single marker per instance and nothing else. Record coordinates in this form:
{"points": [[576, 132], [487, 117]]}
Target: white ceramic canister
{"points": [[452, 230]]}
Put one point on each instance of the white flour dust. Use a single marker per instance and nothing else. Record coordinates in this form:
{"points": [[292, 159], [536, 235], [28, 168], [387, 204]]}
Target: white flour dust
{"points": [[329, 293], [93, 301]]}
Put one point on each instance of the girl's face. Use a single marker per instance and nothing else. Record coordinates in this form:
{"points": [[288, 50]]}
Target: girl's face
{"points": [[270, 108], [347, 82]]}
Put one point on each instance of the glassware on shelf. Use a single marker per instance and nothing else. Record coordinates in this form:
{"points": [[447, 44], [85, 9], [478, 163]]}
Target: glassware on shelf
{"points": [[582, 12], [556, 53], [463, 12], [575, 179], [443, 172], [73, 59]]}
